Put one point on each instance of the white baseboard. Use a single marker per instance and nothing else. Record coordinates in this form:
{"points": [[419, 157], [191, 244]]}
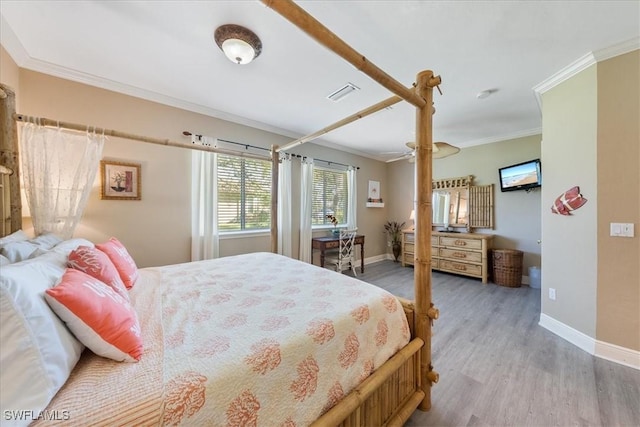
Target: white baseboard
{"points": [[575, 337], [377, 258], [603, 350], [615, 353]]}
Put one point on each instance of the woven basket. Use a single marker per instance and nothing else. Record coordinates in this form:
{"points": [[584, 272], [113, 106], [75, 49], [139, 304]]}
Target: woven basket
{"points": [[507, 267]]}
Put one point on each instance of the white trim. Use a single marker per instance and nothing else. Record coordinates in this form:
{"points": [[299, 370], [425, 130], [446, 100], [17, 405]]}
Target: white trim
{"points": [[574, 336], [19, 54], [617, 354], [498, 138], [377, 258], [12, 44], [617, 49], [566, 73], [583, 63], [614, 353]]}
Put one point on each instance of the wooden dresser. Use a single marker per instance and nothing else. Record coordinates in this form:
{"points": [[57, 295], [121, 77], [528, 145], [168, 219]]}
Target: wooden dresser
{"points": [[460, 253]]}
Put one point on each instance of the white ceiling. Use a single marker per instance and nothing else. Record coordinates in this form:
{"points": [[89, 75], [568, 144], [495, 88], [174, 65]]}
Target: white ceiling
{"points": [[164, 51]]}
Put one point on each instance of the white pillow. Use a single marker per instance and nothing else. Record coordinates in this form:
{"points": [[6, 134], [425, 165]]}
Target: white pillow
{"points": [[4, 260], [16, 236], [38, 351], [46, 240], [67, 246], [15, 253], [19, 250]]}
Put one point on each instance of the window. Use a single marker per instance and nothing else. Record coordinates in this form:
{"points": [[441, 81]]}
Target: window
{"points": [[330, 190], [244, 194]]}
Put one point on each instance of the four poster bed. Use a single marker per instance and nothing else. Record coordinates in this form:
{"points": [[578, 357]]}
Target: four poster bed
{"points": [[378, 347]]}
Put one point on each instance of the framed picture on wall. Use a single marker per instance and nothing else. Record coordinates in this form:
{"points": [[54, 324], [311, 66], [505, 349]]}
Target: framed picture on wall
{"points": [[120, 181]]}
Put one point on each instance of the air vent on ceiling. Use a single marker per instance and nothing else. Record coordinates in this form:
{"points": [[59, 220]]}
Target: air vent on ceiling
{"points": [[342, 92]]}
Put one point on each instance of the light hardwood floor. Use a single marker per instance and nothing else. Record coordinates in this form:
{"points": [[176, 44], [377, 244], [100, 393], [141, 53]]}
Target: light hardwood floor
{"points": [[499, 368]]}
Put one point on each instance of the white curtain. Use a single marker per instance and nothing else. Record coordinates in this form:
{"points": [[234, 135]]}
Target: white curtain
{"points": [[306, 192], [352, 203], [284, 206], [204, 203], [58, 169]]}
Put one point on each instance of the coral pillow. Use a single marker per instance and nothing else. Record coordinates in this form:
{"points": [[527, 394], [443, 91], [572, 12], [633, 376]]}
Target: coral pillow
{"points": [[119, 256], [98, 265], [99, 317]]}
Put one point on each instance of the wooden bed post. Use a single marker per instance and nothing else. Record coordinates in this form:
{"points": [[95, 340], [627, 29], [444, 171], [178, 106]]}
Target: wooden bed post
{"points": [[425, 312], [275, 162], [9, 155]]}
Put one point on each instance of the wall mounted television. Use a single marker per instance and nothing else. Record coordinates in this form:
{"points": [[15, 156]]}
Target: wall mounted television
{"points": [[521, 176]]}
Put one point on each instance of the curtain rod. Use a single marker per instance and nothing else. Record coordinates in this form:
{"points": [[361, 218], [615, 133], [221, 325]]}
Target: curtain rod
{"points": [[330, 162], [247, 146], [109, 132]]}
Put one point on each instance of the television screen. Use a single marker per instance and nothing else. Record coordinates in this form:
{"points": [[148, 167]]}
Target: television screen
{"points": [[522, 176]]}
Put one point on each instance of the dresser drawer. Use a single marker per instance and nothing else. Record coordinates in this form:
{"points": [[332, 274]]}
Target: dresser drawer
{"points": [[434, 240], [460, 267], [461, 242], [409, 237], [460, 255], [435, 262], [408, 258], [409, 248]]}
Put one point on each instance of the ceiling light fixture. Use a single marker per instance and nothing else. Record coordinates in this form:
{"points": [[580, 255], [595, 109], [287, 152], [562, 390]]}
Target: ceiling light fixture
{"points": [[485, 93], [239, 44]]}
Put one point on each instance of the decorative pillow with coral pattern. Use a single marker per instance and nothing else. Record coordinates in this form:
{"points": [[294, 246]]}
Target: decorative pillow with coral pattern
{"points": [[98, 316], [120, 257], [97, 264]]}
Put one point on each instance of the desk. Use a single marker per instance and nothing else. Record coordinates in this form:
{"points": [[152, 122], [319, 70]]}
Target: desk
{"points": [[333, 242]]}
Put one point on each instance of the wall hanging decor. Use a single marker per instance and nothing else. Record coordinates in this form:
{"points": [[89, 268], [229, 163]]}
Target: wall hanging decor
{"points": [[120, 181], [568, 201]]}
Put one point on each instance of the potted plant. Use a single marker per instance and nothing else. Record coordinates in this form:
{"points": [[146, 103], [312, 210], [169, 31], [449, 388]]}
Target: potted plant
{"points": [[334, 221], [394, 230]]}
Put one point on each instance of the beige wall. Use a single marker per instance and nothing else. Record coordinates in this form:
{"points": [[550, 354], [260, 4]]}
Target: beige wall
{"points": [[618, 152], [9, 71], [157, 229], [592, 139], [517, 213]]}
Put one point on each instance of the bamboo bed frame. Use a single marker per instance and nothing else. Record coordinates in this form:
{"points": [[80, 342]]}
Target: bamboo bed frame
{"points": [[403, 384]]}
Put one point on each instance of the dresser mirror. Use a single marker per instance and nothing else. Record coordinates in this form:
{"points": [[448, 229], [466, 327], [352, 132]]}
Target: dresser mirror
{"points": [[450, 208], [458, 205]]}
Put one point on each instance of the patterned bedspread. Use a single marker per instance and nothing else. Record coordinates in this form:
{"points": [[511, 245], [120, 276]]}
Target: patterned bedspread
{"points": [[256, 339]]}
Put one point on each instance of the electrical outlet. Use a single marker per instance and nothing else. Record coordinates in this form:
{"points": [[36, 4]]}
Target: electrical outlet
{"points": [[552, 294]]}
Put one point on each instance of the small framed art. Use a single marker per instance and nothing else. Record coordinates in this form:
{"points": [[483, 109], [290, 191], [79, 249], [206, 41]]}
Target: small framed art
{"points": [[120, 181]]}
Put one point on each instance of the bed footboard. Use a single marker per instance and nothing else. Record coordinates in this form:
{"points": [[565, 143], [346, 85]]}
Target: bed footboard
{"points": [[390, 395]]}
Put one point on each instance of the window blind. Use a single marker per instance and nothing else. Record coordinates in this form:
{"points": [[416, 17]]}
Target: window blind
{"points": [[244, 194], [329, 196]]}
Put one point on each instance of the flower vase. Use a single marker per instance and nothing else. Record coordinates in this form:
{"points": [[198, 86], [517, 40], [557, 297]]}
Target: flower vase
{"points": [[397, 248], [335, 232]]}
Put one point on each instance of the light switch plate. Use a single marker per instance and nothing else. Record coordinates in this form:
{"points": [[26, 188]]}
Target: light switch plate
{"points": [[620, 229]]}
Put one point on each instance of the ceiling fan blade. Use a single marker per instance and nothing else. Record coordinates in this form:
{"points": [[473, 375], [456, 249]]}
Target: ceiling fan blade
{"points": [[436, 147], [397, 158], [444, 150]]}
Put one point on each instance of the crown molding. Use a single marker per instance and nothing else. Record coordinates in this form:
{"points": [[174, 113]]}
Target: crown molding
{"points": [[583, 63], [11, 43], [504, 137], [19, 54], [617, 49]]}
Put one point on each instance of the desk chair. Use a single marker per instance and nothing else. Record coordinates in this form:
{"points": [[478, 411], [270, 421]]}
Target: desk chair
{"points": [[345, 257]]}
